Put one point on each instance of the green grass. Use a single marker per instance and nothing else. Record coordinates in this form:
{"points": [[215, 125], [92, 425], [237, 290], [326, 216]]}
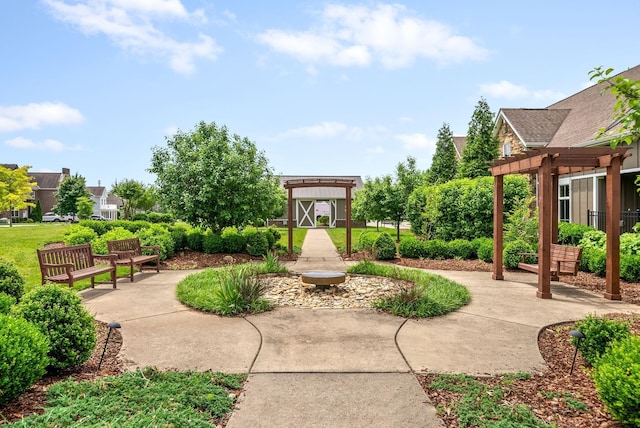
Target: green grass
{"points": [[432, 295], [298, 238], [483, 405], [143, 398], [339, 235]]}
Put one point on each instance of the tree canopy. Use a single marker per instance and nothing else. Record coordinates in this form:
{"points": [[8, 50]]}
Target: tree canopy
{"points": [[444, 163], [482, 146], [136, 196], [16, 187], [72, 188], [209, 177]]}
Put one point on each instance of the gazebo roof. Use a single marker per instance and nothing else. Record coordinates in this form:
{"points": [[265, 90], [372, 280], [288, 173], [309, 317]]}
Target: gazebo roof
{"points": [[564, 160], [320, 182]]}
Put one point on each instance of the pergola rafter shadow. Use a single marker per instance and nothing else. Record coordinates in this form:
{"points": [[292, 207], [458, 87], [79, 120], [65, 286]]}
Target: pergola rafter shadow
{"points": [[549, 163], [347, 184]]}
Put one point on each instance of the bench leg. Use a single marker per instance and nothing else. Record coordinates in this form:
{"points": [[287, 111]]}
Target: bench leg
{"points": [[114, 277], [131, 271]]}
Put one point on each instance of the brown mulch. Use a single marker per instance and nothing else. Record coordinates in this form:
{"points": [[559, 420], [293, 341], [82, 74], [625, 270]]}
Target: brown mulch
{"points": [[545, 393]]}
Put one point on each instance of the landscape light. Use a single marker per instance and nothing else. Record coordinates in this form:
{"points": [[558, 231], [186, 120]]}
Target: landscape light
{"points": [[578, 335], [111, 325]]}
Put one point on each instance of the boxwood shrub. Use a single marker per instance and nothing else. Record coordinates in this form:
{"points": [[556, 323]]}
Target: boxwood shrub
{"points": [[572, 233], [234, 242], [485, 250], [99, 245], [58, 313], [630, 267], [194, 239], [461, 249], [212, 243], [599, 333], [179, 236], [511, 253], [597, 260], [79, 234], [411, 247], [257, 244], [366, 241], [11, 282], [158, 235], [435, 249], [384, 247], [6, 302], [23, 359], [617, 380]]}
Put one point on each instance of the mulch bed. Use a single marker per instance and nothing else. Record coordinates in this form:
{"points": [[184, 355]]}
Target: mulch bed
{"points": [[553, 342]]}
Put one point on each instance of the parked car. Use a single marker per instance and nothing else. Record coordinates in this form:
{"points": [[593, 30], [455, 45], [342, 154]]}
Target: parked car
{"points": [[97, 217], [71, 218], [51, 217]]}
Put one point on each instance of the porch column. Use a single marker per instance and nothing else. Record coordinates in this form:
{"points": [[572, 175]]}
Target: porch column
{"points": [[290, 220], [613, 230], [498, 210], [545, 205]]}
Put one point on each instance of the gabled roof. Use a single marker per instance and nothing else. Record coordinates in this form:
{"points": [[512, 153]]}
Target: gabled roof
{"points": [[47, 180], [97, 191], [573, 121], [459, 143], [320, 193]]}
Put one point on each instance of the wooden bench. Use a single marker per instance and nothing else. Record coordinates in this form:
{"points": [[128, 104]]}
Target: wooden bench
{"points": [[66, 265], [129, 253], [564, 259]]}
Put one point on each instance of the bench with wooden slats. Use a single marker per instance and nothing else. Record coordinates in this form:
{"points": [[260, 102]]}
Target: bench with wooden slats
{"points": [[564, 260], [130, 253], [68, 264]]}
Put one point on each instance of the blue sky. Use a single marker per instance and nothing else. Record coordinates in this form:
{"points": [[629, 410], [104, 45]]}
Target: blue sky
{"points": [[323, 88]]}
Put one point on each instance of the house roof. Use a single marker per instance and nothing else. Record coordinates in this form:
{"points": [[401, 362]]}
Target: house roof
{"points": [[320, 193], [9, 165], [47, 180], [97, 191], [459, 143], [573, 121]]}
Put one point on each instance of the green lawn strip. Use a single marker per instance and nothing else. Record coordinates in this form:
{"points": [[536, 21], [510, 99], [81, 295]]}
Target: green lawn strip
{"points": [[480, 405], [338, 235], [433, 295], [298, 238], [145, 397]]}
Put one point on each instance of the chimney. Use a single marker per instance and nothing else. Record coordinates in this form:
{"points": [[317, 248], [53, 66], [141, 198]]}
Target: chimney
{"points": [[66, 171], [98, 183]]}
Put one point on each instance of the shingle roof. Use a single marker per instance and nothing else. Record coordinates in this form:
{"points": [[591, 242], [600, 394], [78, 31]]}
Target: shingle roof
{"points": [[459, 143], [96, 191], [46, 180], [572, 121], [321, 192]]}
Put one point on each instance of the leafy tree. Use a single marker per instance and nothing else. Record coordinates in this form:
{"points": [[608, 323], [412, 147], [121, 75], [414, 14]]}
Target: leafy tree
{"points": [[85, 207], [408, 176], [209, 177], [443, 164], [70, 190], [131, 192], [626, 109], [36, 213], [15, 189], [148, 199], [369, 201], [482, 146]]}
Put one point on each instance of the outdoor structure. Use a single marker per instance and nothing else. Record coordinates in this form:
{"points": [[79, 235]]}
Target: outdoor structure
{"points": [[319, 182], [312, 202], [101, 205], [575, 122], [549, 163]]}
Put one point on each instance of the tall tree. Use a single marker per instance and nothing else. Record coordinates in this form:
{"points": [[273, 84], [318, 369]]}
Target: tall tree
{"points": [[369, 201], [85, 208], [408, 176], [443, 164], [131, 192], [15, 189], [70, 190], [626, 111], [211, 178], [482, 146]]}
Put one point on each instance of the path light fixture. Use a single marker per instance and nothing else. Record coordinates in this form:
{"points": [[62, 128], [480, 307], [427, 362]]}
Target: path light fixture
{"points": [[111, 325], [578, 335]]}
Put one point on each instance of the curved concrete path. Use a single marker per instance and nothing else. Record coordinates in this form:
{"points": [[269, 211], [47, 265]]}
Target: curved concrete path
{"points": [[337, 367]]}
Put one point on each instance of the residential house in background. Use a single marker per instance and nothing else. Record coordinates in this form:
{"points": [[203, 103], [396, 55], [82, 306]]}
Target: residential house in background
{"points": [[101, 205], [309, 203], [574, 122], [459, 143]]}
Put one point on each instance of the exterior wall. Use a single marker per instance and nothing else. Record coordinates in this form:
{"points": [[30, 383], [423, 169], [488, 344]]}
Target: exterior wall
{"points": [[507, 136], [47, 200], [581, 199]]}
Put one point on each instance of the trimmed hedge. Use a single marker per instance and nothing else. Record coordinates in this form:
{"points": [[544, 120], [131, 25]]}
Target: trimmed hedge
{"points": [[11, 282], [384, 247], [436, 249], [511, 253], [411, 247], [212, 243], [462, 249], [599, 333]]}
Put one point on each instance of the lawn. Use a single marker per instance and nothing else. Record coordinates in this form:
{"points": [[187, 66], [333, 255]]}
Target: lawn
{"points": [[298, 238], [339, 235]]}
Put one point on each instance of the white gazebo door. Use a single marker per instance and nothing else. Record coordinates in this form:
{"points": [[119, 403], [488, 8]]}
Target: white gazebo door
{"points": [[333, 213], [306, 213]]}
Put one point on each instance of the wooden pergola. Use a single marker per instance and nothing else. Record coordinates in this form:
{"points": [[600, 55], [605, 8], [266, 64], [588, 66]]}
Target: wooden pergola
{"points": [[549, 163], [319, 182]]}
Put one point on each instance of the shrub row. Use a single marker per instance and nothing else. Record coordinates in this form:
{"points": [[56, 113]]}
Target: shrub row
{"points": [[46, 329], [250, 240], [481, 248]]}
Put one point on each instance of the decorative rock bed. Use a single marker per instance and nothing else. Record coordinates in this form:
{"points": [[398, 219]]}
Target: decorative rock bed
{"points": [[356, 292]]}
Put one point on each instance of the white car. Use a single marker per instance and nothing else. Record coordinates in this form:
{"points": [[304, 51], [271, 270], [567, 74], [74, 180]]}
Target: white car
{"points": [[51, 217], [97, 217]]}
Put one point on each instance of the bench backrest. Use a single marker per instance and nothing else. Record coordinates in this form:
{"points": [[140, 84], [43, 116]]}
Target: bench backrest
{"points": [[80, 256], [565, 252], [131, 244]]}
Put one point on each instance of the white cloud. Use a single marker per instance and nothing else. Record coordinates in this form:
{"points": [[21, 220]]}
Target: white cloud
{"points": [[47, 145], [171, 130], [415, 141], [322, 130], [34, 115], [510, 91], [375, 150], [129, 23], [350, 35]]}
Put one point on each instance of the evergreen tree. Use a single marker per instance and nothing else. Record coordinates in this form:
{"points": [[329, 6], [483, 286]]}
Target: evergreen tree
{"points": [[71, 188], [36, 213], [482, 146], [443, 164]]}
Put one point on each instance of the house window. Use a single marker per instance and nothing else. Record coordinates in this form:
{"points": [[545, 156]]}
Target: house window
{"points": [[15, 213], [506, 149], [564, 203]]}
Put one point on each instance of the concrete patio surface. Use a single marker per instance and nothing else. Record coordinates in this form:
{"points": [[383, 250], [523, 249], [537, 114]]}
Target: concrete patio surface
{"points": [[340, 367]]}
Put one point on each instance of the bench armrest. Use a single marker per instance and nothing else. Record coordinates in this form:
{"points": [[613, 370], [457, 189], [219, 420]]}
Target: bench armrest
{"points": [[124, 254], [155, 248], [525, 255], [111, 258]]}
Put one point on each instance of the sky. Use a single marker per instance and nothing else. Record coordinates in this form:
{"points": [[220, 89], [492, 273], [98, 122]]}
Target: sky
{"points": [[322, 88]]}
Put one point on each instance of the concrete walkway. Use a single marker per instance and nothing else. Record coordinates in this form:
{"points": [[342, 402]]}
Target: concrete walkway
{"points": [[338, 367]]}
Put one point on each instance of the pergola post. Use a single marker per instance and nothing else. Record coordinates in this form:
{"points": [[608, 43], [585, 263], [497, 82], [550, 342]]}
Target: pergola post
{"points": [[613, 230], [348, 203], [290, 220], [554, 209], [498, 211], [545, 206]]}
